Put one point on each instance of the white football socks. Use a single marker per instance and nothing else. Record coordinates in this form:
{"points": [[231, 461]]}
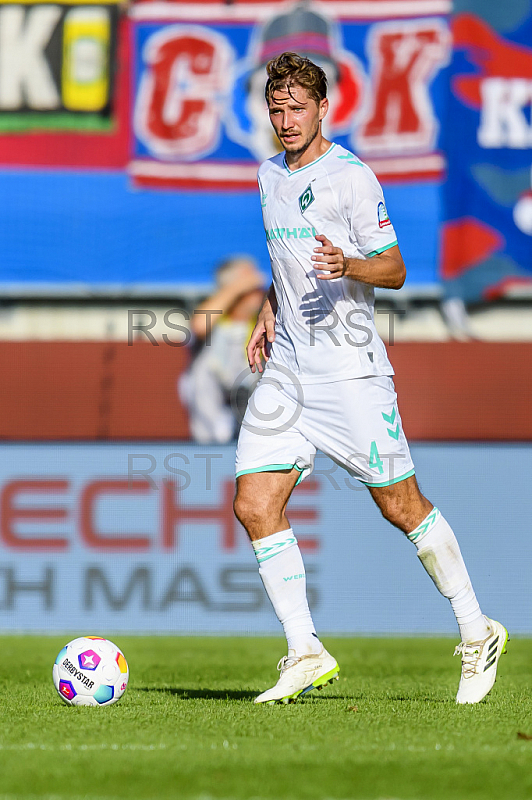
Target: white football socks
{"points": [[283, 575], [440, 554]]}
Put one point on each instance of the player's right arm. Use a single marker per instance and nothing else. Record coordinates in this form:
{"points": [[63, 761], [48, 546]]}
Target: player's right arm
{"points": [[263, 333]]}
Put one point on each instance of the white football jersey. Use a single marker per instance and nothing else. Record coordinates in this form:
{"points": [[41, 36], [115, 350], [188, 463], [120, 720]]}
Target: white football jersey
{"points": [[324, 330]]}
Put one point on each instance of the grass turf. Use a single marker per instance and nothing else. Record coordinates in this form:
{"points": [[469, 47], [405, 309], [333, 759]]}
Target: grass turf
{"points": [[187, 728]]}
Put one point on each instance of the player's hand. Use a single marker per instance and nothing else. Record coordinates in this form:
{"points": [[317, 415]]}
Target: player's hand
{"points": [[261, 338], [328, 260]]}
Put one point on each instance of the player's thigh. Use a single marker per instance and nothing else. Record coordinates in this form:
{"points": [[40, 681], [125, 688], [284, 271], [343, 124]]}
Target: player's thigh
{"points": [[270, 438], [357, 424], [263, 496]]}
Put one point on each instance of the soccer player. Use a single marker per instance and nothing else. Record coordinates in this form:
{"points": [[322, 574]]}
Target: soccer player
{"points": [[327, 382]]}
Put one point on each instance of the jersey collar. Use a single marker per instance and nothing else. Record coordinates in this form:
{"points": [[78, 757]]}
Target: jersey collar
{"points": [[296, 171]]}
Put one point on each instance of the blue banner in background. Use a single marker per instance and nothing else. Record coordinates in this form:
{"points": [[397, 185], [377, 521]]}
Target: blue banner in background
{"points": [[83, 233], [487, 235]]}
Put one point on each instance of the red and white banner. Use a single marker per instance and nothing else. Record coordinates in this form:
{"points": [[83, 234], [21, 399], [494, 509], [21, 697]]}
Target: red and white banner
{"points": [[200, 118]]}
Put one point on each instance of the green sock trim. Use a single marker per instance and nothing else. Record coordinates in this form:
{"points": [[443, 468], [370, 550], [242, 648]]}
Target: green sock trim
{"points": [[263, 552], [425, 526]]}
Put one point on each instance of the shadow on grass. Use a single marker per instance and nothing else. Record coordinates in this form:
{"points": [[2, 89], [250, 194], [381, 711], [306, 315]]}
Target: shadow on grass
{"points": [[416, 699], [224, 694], [201, 694], [183, 693]]}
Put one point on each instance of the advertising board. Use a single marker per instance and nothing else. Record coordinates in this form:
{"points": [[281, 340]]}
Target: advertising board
{"points": [[141, 538]]}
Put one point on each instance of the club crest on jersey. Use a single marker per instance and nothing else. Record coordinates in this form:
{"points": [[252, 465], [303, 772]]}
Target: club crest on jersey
{"points": [[306, 199], [382, 215]]}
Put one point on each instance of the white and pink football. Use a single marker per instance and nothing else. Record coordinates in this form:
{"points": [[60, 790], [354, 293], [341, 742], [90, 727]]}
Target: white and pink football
{"points": [[90, 671]]}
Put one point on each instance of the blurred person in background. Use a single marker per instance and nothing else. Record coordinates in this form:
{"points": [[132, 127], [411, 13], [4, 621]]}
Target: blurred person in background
{"points": [[217, 385], [456, 317]]}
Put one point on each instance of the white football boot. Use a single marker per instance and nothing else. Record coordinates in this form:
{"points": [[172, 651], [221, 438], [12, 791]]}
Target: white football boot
{"points": [[479, 664], [299, 675]]}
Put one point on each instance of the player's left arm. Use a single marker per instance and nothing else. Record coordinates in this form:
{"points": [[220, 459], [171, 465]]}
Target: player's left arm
{"points": [[385, 270]]}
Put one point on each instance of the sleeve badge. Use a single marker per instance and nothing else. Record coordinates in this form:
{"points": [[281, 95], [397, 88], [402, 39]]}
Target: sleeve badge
{"points": [[382, 215]]}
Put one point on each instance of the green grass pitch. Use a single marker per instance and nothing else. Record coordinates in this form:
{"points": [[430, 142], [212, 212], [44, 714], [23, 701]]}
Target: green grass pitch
{"points": [[187, 728]]}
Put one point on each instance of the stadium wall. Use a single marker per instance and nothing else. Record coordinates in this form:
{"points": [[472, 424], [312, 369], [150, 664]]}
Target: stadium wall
{"points": [[112, 391], [140, 538]]}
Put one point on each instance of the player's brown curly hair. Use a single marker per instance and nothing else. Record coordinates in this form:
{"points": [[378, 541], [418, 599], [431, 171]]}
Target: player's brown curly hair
{"points": [[289, 69]]}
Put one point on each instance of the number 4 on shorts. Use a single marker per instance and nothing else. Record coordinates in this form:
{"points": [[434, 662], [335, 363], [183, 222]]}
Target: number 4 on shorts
{"points": [[375, 461]]}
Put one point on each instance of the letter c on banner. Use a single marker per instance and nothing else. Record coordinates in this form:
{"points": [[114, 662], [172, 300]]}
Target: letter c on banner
{"points": [[180, 100]]}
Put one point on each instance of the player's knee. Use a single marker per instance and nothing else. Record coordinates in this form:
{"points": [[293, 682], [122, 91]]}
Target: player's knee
{"points": [[257, 514], [241, 508], [249, 511]]}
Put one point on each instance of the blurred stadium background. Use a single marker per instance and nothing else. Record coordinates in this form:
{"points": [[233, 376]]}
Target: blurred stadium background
{"points": [[129, 142]]}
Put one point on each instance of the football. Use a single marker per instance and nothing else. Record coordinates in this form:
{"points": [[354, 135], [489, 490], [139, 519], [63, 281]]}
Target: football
{"points": [[90, 671]]}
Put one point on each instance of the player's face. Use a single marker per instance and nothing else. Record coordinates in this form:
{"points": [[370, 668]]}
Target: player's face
{"points": [[296, 118]]}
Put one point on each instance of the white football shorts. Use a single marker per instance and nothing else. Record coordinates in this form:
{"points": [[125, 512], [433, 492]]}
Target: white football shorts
{"points": [[355, 422]]}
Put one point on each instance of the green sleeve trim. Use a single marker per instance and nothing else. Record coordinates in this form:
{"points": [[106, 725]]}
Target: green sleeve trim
{"points": [[390, 483], [380, 250]]}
